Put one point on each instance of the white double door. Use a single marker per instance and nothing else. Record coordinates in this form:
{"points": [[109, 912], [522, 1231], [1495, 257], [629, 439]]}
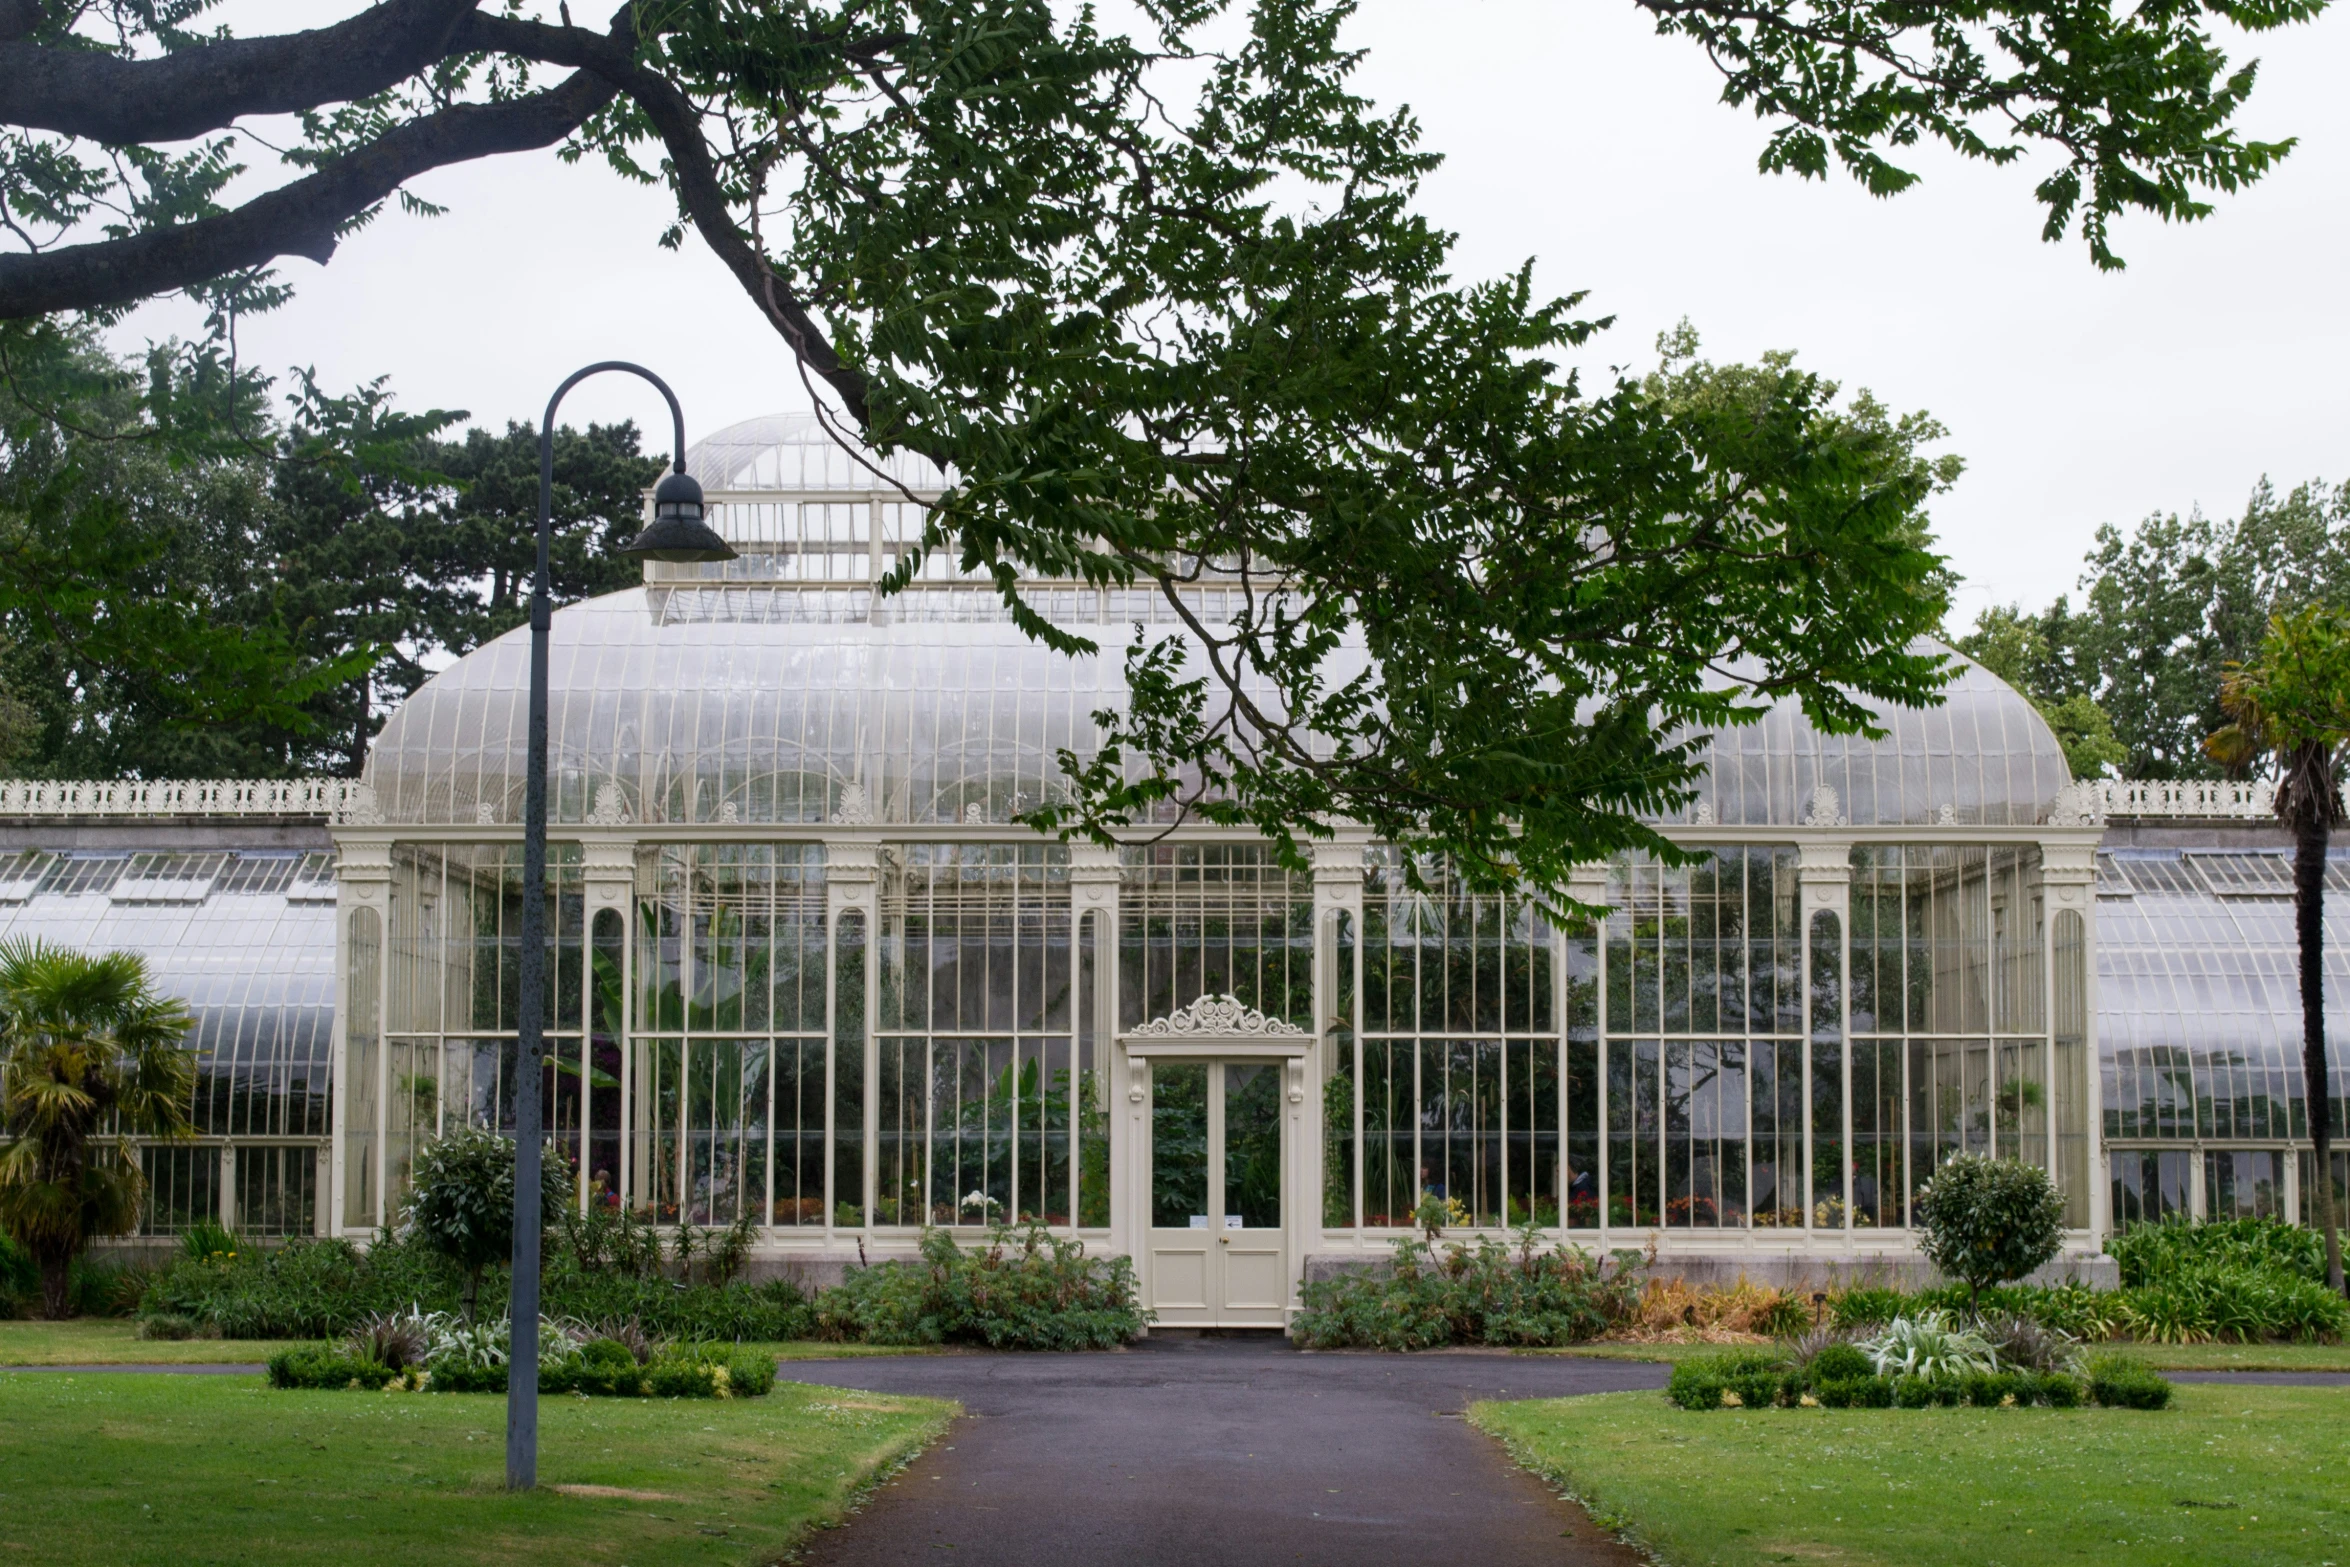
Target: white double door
{"points": [[1218, 1251]]}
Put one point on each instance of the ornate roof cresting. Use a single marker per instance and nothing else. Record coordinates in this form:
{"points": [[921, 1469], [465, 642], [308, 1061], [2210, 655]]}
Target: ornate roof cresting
{"points": [[1221, 1017]]}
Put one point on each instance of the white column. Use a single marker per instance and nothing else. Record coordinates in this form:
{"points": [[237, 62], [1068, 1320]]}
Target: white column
{"points": [[1338, 889], [363, 880], [2068, 869], [1094, 876]]}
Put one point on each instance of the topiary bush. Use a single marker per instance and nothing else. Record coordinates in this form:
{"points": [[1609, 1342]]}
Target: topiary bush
{"points": [[1987, 1221]]}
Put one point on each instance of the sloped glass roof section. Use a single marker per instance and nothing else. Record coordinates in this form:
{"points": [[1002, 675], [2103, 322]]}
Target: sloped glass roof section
{"points": [[244, 937], [1984, 758], [784, 687], [2198, 1002]]}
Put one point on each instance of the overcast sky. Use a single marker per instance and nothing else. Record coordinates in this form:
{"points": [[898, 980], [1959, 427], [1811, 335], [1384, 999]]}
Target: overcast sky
{"points": [[1574, 136]]}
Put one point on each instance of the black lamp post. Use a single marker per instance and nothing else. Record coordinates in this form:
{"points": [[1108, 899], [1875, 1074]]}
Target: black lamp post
{"points": [[677, 533]]}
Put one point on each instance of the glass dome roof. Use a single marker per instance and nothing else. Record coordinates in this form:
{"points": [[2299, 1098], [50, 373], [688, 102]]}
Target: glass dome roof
{"points": [[780, 687], [791, 704], [1984, 757], [793, 452]]}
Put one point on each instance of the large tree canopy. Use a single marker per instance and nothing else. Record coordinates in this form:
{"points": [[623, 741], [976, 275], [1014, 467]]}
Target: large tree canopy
{"points": [[1163, 300], [193, 587]]}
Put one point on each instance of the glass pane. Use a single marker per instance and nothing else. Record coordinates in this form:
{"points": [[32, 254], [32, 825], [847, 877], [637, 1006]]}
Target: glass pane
{"points": [[799, 1132], [1093, 1087], [602, 1062], [360, 1067], [848, 1073], [1252, 1145], [1179, 1145], [1338, 1081]]}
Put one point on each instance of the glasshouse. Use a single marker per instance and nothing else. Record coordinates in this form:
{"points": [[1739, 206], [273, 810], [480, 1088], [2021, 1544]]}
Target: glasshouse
{"points": [[806, 968]]}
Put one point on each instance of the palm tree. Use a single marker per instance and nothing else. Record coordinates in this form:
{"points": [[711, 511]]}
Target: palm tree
{"points": [[2293, 707], [90, 1056]]}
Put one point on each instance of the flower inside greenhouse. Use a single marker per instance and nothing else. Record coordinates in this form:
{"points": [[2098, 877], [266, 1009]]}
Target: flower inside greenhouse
{"points": [[807, 971]]}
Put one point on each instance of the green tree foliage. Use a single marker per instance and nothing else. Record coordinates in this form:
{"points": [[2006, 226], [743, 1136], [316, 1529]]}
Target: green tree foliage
{"points": [[1986, 1221], [1163, 300], [2290, 710], [462, 1202], [412, 559], [129, 525], [2165, 609], [193, 588], [90, 1056]]}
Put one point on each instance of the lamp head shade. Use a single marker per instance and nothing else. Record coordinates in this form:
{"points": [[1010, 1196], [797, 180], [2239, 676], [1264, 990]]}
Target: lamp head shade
{"points": [[677, 533]]}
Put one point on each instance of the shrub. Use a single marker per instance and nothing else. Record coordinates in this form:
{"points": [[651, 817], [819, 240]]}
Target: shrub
{"points": [[1913, 1392], [323, 1289], [1779, 1314], [2023, 1344], [398, 1339], [462, 1376], [750, 1375], [168, 1328], [1987, 1221], [2119, 1382], [1486, 1294], [686, 1379], [207, 1239], [603, 1368], [2152, 1253], [1867, 1307], [1840, 1363], [326, 1366], [1860, 1392], [1027, 1289], [1700, 1381], [2060, 1391], [1930, 1346], [20, 1278], [462, 1205]]}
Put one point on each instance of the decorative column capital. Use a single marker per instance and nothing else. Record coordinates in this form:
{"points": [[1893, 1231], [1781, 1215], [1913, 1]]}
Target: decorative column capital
{"points": [[363, 870], [607, 871], [2068, 870], [851, 871], [1338, 871], [1823, 870]]}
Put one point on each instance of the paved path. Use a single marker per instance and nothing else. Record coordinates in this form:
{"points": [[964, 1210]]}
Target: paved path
{"points": [[1221, 1452]]}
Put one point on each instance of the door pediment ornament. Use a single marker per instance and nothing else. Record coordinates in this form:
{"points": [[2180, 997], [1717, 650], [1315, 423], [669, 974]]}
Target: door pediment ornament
{"points": [[1218, 1018]]}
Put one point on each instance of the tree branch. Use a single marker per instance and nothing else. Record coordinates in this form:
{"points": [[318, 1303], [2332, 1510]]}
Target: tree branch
{"points": [[82, 92], [679, 125], [304, 218]]}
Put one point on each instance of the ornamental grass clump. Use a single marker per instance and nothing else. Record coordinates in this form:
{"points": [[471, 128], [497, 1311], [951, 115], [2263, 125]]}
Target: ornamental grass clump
{"points": [[1930, 1346], [1487, 1293]]}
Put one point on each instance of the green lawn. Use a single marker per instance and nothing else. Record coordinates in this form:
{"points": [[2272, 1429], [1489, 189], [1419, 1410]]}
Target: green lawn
{"points": [[111, 1341], [98, 1341], [2250, 1476], [182, 1471], [2170, 1357]]}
